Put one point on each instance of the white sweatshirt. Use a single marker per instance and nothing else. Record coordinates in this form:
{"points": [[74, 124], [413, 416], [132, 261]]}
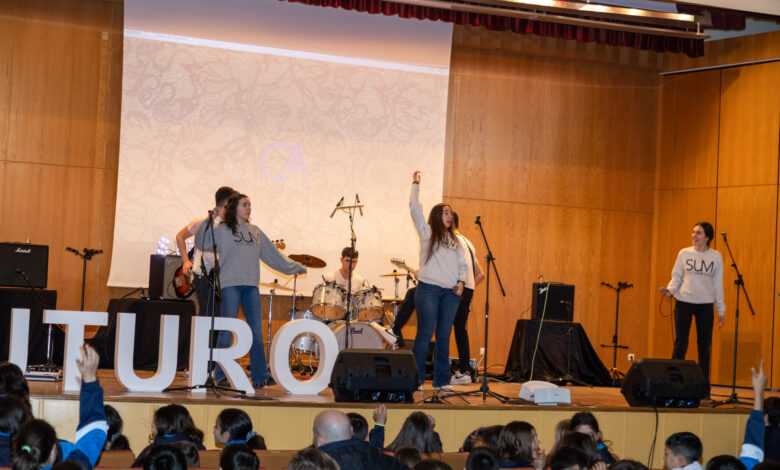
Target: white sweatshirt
{"points": [[447, 265], [697, 278]]}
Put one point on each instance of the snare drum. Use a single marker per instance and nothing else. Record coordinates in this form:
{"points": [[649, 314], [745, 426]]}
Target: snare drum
{"points": [[368, 304], [328, 301], [304, 343], [363, 336]]}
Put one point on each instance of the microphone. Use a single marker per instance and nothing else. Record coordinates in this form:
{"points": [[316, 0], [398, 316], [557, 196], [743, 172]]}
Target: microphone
{"points": [[566, 302], [338, 204], [542, 290], [357, 200], [477, 221], [664, 290], [723, 234], [541, 278], [624, 285], [607, 284], [72, 250]]}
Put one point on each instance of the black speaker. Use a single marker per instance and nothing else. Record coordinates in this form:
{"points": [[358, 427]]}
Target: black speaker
{"points": [[374, 375], [560, 301], [664, 383], [161, 269], [33, 260]]}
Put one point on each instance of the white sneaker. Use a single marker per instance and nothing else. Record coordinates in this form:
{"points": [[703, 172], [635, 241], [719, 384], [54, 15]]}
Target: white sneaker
{"points": [[421, 388], [444, 388], [461, 379]]}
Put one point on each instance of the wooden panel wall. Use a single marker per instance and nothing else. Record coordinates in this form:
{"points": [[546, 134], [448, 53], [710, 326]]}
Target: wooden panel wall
{"points": [[554, 147], [718, 161], [60, 95]]}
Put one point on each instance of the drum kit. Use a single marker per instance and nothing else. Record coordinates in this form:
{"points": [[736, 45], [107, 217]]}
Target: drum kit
{"points": [[329, 305]]}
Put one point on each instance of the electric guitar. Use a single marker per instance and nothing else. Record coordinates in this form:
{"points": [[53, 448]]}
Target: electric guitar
{"points": [[402, 264], [184, 286]]}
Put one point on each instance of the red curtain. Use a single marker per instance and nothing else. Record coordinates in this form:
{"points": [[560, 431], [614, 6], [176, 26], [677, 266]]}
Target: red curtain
{"points": [[691, 47]]}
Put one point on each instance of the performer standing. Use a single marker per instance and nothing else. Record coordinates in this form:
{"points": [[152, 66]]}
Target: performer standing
{"points": [[697, 282], [240, 245], [202, 290], [475, 275], [341, 276], [442, 277]]}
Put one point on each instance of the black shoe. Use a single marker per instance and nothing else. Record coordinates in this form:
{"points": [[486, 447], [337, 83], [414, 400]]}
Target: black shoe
{"points": [[267, 383], [399, 342]]}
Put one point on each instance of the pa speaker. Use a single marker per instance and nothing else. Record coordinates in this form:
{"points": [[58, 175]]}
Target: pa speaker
{"points": [[374, 375], [560, 301], [18, 258], [161, 270], [664, 383]]}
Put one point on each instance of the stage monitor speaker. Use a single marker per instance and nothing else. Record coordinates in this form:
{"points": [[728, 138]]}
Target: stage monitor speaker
{"points": [[161, 270], [374, 375], [664, 383], [33, 260], [560, 301]]}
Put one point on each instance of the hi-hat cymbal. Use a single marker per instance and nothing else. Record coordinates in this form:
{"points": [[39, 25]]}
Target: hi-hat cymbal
{"points": [[393, 275], [309, 261], [274, 285]]}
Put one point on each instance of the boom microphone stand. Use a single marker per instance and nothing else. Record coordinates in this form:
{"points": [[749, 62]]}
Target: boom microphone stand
{"points": [[42, 371], [214, 285], [615, 346], [86, 255], [740, 283], [350, 210]]}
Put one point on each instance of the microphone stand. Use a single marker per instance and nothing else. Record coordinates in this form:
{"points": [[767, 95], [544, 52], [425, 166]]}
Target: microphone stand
{"points": [[567, 378], [740, 283], [214, 285], [484, 389], [350, 210], [615, 346], [49, 366], [86, 255]]}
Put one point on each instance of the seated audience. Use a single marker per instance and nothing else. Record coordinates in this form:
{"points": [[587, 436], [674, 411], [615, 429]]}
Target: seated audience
{"points": [[312, 458], [333, 435], [233, 426], [628, 465], [772, 429], [238, 457], [172, 423], [583, 443], [725, 462], [586, 423], [567, 458], [14, 413], [116, 440], [13, 383], [417, 431], [482, 458], [410, 456], [190, 453], [432, 464], [519, 446], [485, 436], [683, 450], [165, 457]]}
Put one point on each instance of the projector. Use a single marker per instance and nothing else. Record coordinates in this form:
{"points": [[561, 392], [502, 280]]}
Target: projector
{"points": [[544, 393]]}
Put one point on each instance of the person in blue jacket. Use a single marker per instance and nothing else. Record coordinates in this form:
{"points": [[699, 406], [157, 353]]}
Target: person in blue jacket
{"points": [[233, 426], [172, 423], [36, 446]]}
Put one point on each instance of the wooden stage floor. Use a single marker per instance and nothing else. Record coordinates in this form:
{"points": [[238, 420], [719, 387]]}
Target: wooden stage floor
{"points": [[285, 420]]}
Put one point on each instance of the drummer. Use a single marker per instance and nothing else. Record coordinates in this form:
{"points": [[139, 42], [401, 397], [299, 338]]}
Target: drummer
{"points": [[340, 276]]}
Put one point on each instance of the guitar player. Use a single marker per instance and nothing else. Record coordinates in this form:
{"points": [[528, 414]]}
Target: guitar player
{"points": [[202, 290]]}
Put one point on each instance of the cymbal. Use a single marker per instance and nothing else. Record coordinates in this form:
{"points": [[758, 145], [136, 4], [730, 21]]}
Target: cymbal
{"points": [[393, 275], [274, 285], [392, 299], [309, 261]]}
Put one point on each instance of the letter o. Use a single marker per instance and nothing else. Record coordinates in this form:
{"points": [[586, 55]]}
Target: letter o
{"points": [[280, 356]]}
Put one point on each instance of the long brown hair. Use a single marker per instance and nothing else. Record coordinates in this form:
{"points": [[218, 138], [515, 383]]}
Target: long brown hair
{"points": [[231, 220], [440, 234]]}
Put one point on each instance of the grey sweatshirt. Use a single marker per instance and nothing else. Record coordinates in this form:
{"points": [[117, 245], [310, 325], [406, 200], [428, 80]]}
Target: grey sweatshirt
{"points": [[697, 278], [239, 254]]}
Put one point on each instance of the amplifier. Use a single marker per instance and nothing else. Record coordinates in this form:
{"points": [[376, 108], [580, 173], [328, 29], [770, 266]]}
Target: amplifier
{"points": [[560, 301], [33, 260], [161, 270], [664, 383], [374, 375]]}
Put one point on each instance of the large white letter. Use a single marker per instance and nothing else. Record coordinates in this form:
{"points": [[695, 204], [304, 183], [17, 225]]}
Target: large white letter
{"points": [[280, 356], [226, 357], [74, 322], [20, 337], [167, 355]]}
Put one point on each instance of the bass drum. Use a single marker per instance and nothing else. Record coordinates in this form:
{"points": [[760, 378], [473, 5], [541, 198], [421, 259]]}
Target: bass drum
{"points": [[304, 343], [363, 336]]}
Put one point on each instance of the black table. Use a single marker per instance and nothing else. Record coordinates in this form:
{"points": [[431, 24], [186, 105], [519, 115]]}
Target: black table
{"points": [[26, 298], [147, 331], [550, 363]]}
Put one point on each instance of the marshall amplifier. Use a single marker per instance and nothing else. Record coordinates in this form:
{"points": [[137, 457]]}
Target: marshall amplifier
{"points": [[161, 271], [18, 258]]}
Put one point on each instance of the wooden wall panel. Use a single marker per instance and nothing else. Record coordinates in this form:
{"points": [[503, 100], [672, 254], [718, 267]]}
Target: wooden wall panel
{"points": [[690, 131], [741, 213], [676, 211], [749, 125], [755, 47]]}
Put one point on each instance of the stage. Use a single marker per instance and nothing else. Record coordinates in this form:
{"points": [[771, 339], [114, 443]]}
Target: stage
{"points": [[286, 420]]}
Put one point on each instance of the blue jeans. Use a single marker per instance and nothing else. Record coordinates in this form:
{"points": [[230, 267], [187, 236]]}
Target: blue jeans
{"points": [[249, 298], [436, 308]]}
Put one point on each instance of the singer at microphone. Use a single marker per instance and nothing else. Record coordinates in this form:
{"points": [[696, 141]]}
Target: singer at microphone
{"points": [[697, 284]]}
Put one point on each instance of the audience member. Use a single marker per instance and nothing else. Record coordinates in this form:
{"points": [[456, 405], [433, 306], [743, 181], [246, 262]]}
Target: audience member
{"points": [[12, 382], [190, 453], [417, 431], [586, 423], [683, 450], [172, 423], [583, 443], [519, 446], [432, 464], [312, 458], [482, 458], [486, 436], [567, 458], [116, 440], [165, 457], [359, 426], [409, 456], [333, 435], [725, 462], [238, 457], [14, 413], [628, 465], [233, 426]]}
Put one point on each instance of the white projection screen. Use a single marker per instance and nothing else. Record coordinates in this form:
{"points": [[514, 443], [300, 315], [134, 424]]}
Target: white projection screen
{"points": [[293, 105]]}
